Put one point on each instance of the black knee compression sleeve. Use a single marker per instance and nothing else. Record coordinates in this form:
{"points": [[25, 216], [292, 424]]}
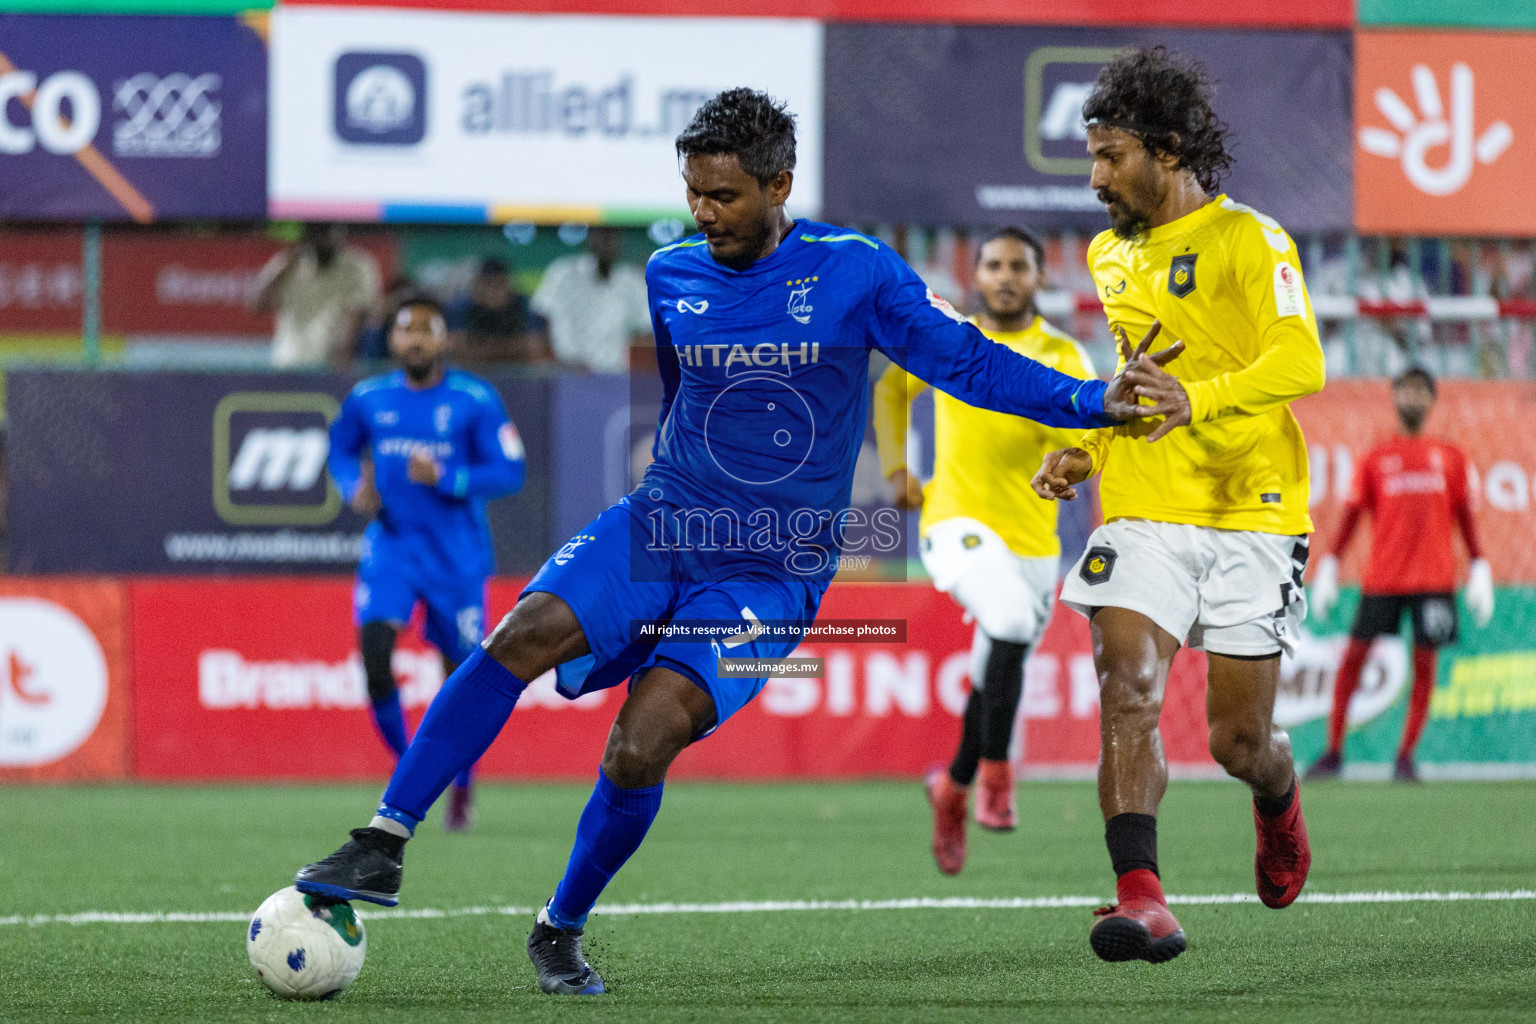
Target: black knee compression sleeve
{"points": [[1000, 693], [378, 643]]}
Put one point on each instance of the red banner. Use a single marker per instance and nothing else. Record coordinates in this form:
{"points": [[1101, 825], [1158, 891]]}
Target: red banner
{"points": [[263, 681], [1484, 418], [1119, 13], [63, 680], [153, 282]]}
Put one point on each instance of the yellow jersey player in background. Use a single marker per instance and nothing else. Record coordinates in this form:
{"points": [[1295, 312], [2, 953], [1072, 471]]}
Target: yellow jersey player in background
{"points": [[1205, 534], [987, 539]]}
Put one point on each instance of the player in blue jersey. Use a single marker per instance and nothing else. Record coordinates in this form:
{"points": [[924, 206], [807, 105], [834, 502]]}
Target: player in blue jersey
{"points": [[438, 445], [763, 327]]}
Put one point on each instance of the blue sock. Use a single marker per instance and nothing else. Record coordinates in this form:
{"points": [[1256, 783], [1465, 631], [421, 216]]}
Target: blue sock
{"points": [[608, 834], [391, 722], [464, 718], [465, 777]]}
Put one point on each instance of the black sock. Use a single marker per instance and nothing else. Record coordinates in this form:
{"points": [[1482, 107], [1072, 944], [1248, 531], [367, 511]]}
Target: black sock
{"points": [[963, 768], [1003, 686], [1274, 806], [387, 841], [1132, 842]]}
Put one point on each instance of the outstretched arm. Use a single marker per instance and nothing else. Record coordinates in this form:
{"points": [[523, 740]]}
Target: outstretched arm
{"points": [[924, 334]]}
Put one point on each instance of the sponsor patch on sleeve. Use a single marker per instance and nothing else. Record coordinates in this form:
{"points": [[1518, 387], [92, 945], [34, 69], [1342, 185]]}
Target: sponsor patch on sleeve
{"points": [[942, 305], [511, 442], [1288, 297]]}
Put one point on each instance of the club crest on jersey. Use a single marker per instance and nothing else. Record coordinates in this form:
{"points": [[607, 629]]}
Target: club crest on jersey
{"points": [[800, 307], [566, 553], [1098, 563], [1181, 275]]}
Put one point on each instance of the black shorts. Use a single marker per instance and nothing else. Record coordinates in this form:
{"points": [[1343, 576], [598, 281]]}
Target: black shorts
{"points": [[1434, 617]]}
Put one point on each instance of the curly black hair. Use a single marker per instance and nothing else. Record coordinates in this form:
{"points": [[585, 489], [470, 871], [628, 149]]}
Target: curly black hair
{"points": [[1018, 235], [758, 129], [1164, 99]]}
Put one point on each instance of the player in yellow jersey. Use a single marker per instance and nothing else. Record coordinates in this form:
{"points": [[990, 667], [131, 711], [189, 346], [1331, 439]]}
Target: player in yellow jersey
{"points": [[1205, 534], [987, 540]]}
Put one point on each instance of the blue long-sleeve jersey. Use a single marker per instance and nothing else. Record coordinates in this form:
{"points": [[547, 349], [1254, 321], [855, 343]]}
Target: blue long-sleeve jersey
{"points": [[462, 423], [765, 373]]}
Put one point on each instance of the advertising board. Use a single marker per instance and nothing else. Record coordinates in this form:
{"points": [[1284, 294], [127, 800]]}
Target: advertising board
{"points": [[430, 116], [211, 473], [132, 118], [946, 125]]}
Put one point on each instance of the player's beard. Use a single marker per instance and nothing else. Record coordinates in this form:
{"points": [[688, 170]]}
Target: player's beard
{"points": [[1412, 419], [420, 369], [1022, 310], [1127, 223]]}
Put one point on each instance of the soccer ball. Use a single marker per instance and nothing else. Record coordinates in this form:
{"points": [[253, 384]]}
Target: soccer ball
{"points": [[305, 947]]}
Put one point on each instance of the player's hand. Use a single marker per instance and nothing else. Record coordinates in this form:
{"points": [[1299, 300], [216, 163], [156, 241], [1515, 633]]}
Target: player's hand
{"points": [[906, 490], [365, 500], [423, 469], [1060, 472], [1140, 370], [1324, 591], [1479, 592]]}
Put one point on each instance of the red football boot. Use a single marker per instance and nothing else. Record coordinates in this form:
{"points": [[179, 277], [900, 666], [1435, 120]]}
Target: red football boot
{"points": [[995, 809], [1283, 857], [1139, 927], [948, 801]]}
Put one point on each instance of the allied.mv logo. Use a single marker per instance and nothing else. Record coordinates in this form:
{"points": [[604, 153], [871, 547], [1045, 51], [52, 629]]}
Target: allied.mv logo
{"points": [[380, 99]]}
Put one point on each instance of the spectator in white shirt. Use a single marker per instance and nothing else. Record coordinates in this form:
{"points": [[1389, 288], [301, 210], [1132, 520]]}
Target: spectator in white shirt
{"points": [[322, 291], [595, 305]]}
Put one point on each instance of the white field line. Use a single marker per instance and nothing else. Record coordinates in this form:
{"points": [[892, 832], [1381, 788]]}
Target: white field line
{"points": [[780, 906]]}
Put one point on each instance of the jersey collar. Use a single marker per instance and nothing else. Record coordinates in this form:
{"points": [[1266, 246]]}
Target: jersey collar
{"points": [[1186, 223], [790, 243]]}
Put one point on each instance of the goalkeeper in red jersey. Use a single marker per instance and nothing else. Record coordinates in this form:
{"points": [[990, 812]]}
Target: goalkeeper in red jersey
{"points": [[1418, 490]]}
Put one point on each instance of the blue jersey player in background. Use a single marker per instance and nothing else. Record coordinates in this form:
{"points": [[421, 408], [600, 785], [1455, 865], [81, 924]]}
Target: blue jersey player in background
{"points": [[764, 327], [439, 445]]}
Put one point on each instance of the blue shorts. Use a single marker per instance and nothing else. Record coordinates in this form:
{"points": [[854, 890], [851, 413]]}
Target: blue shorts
{"points": [[387, 590], [591, 574]]}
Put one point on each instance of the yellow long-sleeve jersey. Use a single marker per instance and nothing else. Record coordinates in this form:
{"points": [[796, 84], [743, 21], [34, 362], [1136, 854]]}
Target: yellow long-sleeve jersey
{"points": [[983, 460], [1225, 280]]}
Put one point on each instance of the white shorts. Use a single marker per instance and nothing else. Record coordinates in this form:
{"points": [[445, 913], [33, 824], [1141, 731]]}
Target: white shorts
{"points": [[1234, 592], [1008, 597]]}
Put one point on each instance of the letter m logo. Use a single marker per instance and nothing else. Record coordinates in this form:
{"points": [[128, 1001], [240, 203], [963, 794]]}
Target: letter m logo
{"points": [[269, 452]]}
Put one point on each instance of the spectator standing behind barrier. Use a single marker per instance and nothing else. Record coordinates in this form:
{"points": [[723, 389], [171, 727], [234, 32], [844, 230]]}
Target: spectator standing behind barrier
{"points": [[492, 321], [595, 305], [322, 291]]}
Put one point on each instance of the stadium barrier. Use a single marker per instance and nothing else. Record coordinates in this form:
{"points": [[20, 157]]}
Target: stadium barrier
{"points": [[192, 680]]}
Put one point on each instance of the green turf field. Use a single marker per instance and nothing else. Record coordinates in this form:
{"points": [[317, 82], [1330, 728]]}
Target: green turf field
{"points": [[69, 851]]}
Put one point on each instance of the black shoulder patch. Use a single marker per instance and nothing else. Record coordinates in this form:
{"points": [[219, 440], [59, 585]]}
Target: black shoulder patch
{"points": [[1098, 563], [1181, 275]]}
